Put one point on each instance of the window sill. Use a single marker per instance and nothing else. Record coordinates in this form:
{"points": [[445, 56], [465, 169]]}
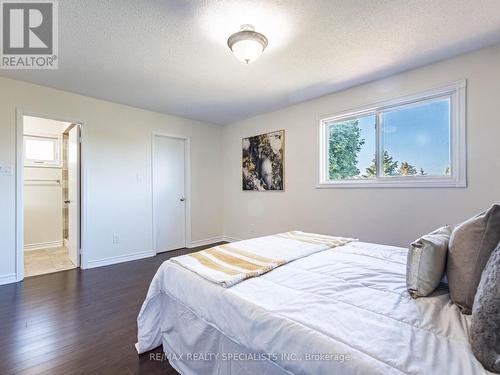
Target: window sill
{"points": [[394, 182]]}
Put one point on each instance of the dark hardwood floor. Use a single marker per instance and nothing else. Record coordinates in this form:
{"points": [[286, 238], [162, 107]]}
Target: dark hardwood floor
{"points": [[78, 321]]}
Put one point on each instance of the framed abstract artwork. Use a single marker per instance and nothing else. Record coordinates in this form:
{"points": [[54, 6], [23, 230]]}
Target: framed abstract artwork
{"points": [[263, 161]]}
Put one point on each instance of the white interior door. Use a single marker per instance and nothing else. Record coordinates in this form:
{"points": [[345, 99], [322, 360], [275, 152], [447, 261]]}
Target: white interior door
{"points": [[169, 193], [74, 195]]}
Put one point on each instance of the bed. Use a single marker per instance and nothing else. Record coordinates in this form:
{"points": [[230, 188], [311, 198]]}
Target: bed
{"points": [[340, 311]]}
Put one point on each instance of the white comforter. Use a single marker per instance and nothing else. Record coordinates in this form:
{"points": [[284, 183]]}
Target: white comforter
{"points": [[348, 302], [230, 264]]}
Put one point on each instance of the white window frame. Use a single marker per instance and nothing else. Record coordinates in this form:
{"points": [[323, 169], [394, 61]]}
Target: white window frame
{"points": [[456, 93], [56, 139]]}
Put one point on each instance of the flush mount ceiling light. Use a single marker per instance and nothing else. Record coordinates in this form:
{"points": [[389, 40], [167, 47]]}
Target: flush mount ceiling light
{"points": [[247, 44]]}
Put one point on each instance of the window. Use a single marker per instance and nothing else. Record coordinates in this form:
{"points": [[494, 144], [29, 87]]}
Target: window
{"points": [[42, 150], [416, 141]]}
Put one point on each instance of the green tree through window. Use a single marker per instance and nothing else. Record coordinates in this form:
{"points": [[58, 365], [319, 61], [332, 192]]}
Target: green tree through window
{"points": [[411, 141], [406, 169], [390, 166], [345, 144]]}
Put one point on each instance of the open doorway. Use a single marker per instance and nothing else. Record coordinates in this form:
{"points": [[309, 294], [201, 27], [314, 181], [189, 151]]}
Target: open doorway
{"points": [[51, 195]]}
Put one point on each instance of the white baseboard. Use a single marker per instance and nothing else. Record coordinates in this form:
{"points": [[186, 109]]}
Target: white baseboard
{"points": [[43, 245], [230, 239], [206, 241], [7, 279], [120, 259], [212, 240]]}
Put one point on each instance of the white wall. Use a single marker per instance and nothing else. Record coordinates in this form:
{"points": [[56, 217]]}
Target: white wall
{"points": [[43, 202], [118, 167], [390, 216], [39, 125]]}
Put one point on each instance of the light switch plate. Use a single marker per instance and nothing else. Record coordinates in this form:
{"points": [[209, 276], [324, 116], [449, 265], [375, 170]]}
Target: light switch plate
{"points": [[6, 170]]}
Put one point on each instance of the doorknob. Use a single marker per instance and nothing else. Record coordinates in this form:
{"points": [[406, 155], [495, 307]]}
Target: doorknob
{"points": [[67, 202], [182, 199]]}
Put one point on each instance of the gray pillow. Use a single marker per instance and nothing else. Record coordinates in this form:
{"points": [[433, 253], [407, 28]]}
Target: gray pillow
{"points": [[426, 262], [471, 245], [485, 322]]}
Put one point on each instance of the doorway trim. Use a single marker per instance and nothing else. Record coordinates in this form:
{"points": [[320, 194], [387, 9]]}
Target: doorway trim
{"points": [[20, 113], [187, 184]]}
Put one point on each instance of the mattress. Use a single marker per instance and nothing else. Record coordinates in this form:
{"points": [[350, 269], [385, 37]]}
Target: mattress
{"points": [[344, 310]]}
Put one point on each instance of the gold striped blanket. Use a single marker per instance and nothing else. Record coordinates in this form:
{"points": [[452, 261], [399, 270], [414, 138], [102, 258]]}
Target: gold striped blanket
{"points": [[232, 263]]}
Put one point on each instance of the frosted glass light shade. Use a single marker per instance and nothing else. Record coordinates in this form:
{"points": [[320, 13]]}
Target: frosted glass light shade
{"points": [[247, 50], [247, 45]]}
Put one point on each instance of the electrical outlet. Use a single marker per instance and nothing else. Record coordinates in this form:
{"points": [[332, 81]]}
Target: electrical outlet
{"points": [[116, 238], [6, 170]]}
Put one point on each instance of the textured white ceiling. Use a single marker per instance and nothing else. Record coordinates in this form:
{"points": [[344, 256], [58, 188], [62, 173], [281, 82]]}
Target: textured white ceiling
{"points": [[171, 55]]}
